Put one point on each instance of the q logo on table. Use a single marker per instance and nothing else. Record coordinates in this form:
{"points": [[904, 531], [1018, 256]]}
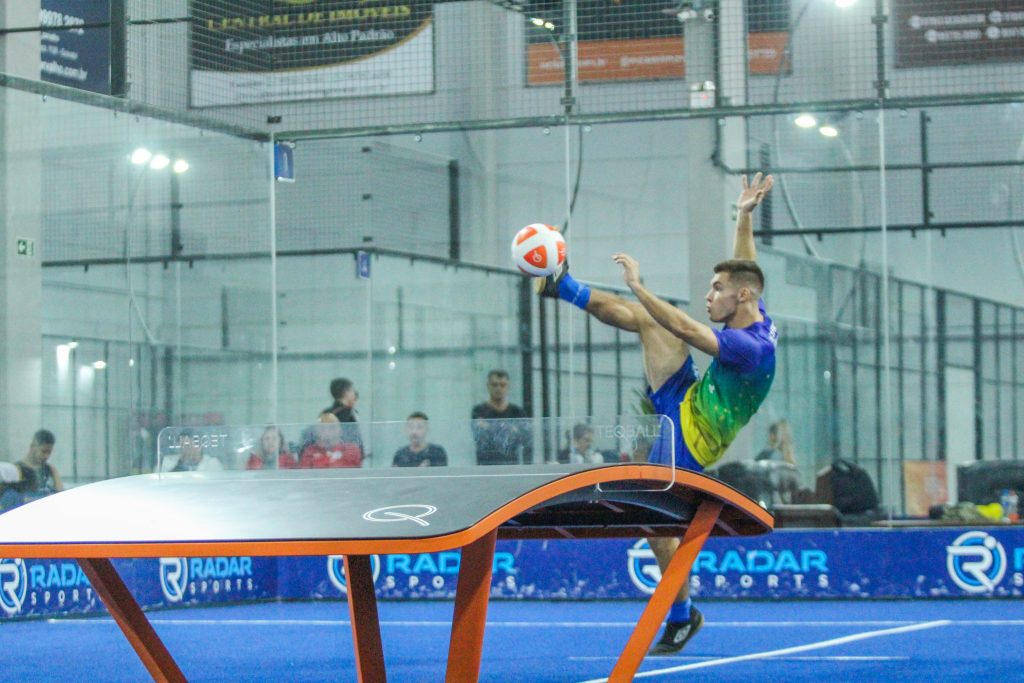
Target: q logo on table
{"points": [[976, 562], [13, 585], [401, 513]]}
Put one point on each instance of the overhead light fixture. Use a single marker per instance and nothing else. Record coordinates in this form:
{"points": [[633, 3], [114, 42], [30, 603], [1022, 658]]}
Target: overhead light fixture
{"points": [[843, 4], [829, 131], [158, 162], [72, 344], [141, 156], [180, 166], [100, 364], [805, 121]]}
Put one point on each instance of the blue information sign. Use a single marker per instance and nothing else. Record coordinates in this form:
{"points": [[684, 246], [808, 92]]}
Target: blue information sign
{"points": [[73, 55]]}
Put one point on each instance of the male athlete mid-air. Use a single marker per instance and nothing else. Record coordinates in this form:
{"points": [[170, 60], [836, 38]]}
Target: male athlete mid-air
{"points": [[706, 412]]}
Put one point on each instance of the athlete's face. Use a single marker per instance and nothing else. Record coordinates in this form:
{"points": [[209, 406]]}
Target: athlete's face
{"points": [[722, 299]]}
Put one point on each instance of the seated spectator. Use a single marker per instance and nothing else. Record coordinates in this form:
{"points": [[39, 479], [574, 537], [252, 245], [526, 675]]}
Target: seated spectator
{"points": [[582, 448], [38, 478], [330, 449], [272, 449], [190, 457], [419, 453], [780, 443]]}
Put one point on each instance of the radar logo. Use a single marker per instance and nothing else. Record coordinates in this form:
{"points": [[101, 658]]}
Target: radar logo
{"points": [[13, 585], [643, 567], [976, 562], [336, 570], [173, 578]]}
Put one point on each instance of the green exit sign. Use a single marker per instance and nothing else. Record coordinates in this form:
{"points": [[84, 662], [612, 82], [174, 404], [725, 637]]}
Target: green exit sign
{"points": [[26, 247]]}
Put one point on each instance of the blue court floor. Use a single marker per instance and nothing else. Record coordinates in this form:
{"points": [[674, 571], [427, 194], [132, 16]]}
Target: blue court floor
{"points": [[823, 642]]}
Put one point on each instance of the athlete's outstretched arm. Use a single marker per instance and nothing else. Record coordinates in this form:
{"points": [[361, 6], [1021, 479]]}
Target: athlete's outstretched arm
{"points": [[751, 195], [697, 335]]}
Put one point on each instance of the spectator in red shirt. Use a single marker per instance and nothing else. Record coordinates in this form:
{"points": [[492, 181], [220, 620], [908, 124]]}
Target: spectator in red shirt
{"points": [[330, 449], [272, 448]]}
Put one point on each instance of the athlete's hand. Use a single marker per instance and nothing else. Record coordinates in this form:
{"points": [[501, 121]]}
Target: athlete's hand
{"points": [[630, 269], [753, 193]]}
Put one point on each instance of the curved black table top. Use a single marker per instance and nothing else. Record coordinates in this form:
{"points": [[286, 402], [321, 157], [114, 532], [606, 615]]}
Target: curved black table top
{"points": [[297, 512]]}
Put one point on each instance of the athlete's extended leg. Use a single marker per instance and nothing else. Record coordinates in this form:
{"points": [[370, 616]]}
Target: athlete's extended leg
{"points": [[663, 353], [610, 309], [684, 620]]}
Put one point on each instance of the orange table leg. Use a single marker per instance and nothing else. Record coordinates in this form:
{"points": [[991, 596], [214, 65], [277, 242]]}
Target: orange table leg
{"points": [[671, 581], [471, 596], [129, 616], [362, 610]]}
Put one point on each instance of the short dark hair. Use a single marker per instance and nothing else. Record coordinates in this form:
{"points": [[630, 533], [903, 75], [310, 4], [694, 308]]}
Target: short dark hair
{"points": [[497, 373], [417, 416], [744, 272], [44, 437], [580, 430], [339, 386]]}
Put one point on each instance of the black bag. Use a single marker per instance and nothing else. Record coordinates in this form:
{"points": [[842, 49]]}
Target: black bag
{"points": [[852, 488]]}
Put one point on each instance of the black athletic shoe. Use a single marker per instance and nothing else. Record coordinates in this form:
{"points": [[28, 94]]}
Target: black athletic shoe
{"points": [[677, 634], [548, 286]]}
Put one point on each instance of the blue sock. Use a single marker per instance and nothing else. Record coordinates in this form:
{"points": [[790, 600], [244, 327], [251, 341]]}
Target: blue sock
{"points": [[680, 611], [573, 292]]}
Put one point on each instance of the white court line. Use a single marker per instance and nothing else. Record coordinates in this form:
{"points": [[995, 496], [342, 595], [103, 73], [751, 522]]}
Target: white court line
{"points": [[832, 642], [170, 621], [526, 624], [798, 658]]}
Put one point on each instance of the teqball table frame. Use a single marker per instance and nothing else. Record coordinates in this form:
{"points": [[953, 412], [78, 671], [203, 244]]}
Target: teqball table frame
{"points": [[359, 513]]}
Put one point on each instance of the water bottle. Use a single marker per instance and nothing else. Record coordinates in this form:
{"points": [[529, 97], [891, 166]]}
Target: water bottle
{"points": [[1010, 505]]}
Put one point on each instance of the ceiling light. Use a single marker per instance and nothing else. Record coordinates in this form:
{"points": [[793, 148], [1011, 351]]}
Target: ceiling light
{"points": [[843, 4], [180, 166], [100, 364], [806, 121], [158, 162], [141, 156], [828, 131]]}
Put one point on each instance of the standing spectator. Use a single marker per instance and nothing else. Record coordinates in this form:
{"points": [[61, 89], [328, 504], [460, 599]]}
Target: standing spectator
{"points": [[272, 449], [344, 408], [38, 477], [419, 453], [344, 393], [190, 456], [581, 450], [500, 428], [329, 449]]}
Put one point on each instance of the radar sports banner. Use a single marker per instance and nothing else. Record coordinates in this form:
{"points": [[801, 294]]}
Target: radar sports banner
{"points": [[790, 564]]}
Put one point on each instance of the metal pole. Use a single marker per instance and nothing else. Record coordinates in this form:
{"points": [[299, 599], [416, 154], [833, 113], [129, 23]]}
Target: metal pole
{"points": [[274, 343]]}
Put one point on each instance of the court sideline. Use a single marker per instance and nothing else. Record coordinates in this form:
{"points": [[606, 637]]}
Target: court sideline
{"points": [[552, 642]]}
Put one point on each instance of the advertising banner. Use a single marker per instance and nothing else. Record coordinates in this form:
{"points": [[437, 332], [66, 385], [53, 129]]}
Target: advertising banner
{"points": [[929, 33], [279, 50], [36, 588], [813, 564], [641, 40], [70, 54]]}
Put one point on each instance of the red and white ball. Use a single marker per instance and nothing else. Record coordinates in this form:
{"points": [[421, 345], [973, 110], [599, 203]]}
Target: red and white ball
{"points": [[538, 250]]}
